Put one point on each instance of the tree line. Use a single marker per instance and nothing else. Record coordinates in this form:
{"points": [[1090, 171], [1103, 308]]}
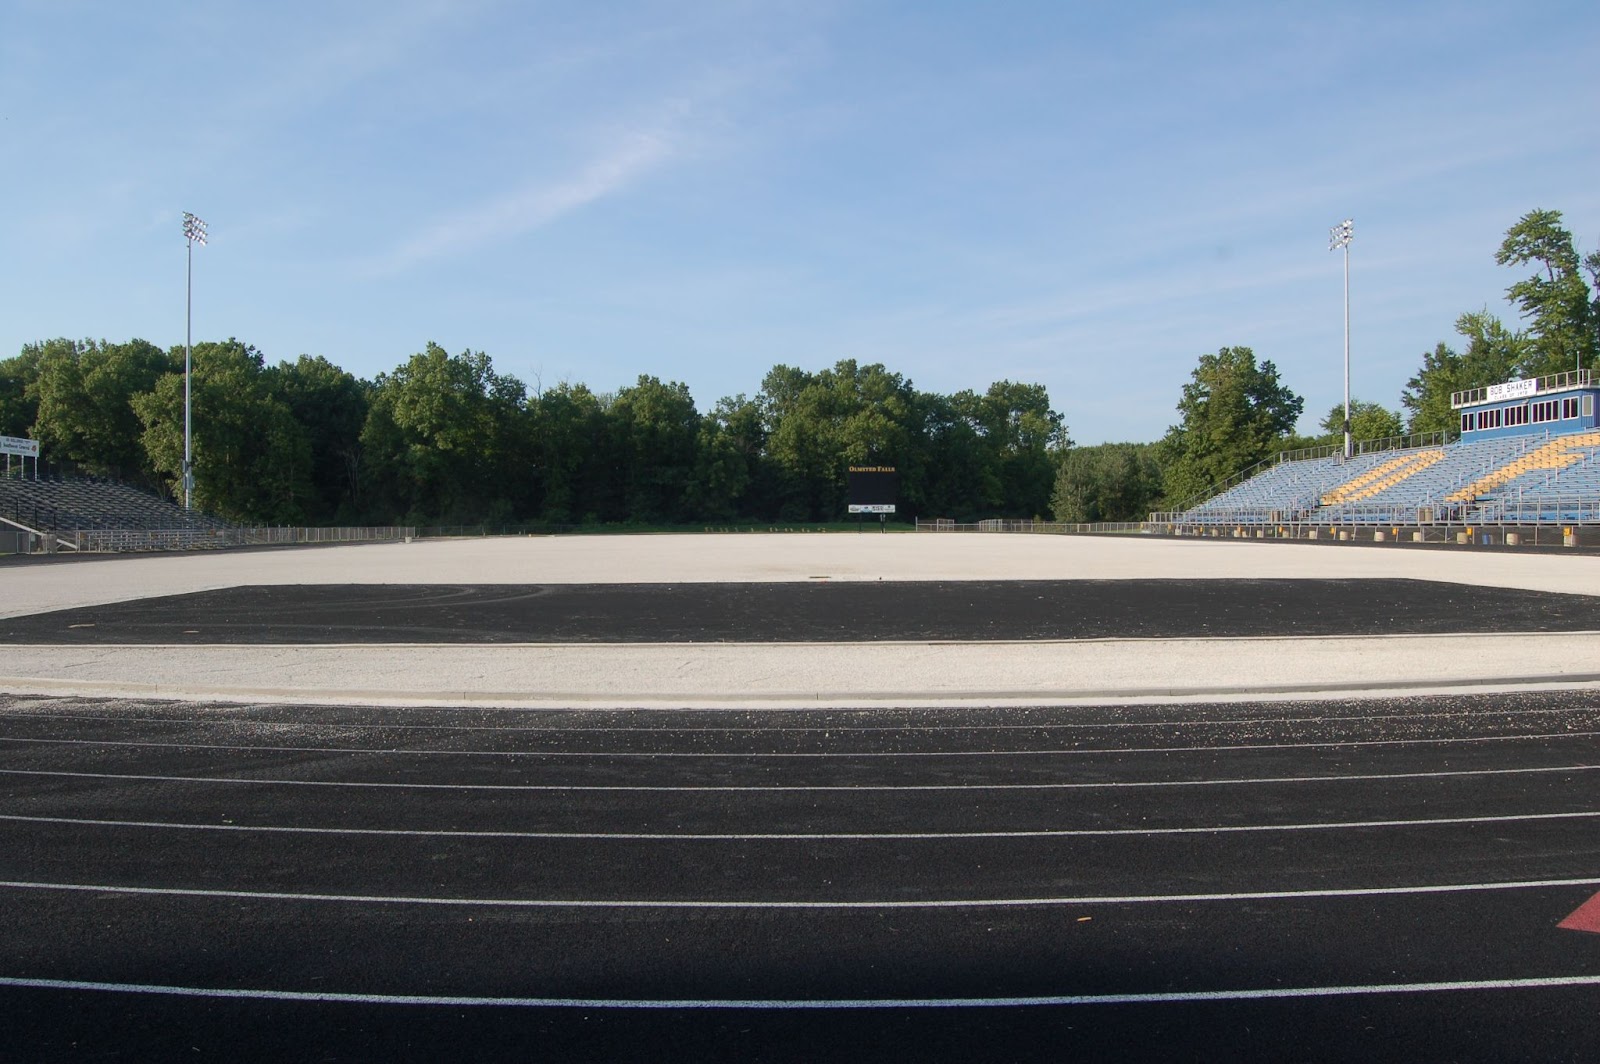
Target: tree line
{"points": [[446, 439]]}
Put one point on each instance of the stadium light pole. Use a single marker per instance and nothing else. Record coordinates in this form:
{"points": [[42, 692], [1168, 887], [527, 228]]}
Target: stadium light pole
{"points": [[1339, 239], [194, 232]]}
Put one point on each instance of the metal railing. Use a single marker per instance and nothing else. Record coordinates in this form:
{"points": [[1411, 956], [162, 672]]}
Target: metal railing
{"points": [[1040, 527], [1404, 443], [1540, 509], [115, 540], [1302, 454], [1236, 515], [1554, 382]]}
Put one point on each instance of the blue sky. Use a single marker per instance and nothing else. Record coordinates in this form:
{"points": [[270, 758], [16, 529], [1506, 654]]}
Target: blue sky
{"points": [[1088, 196]]}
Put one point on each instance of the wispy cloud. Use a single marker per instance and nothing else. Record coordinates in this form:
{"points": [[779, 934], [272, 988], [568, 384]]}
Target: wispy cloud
{"points": [[633, 156], [333, 58]]}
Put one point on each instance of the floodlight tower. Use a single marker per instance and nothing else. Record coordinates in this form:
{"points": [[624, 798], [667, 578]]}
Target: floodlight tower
{"points": [[1339, 238], [194, 231]]}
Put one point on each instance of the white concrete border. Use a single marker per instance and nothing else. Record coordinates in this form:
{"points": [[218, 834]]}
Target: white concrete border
{"points": [[838, 674]]}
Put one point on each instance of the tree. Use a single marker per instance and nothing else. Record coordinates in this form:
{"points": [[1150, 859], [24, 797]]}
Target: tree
{"points": [[1234, 415], [19, 403], [1564, 326], [252, 459], [446, 438], [1107, 482], [1368, 421], [85, 394], [1024, 435], [962, 478], [571, 453], [728, 460], [819, 424], [657, 431], [331, 406], [1494, 354]]}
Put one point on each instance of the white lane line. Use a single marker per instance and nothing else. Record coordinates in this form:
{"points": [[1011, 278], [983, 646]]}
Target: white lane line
{"points": [[767, 754], [810, 836], [1154, 998], [898, 903], [818, 644], [1227, 781], [824, 729]]}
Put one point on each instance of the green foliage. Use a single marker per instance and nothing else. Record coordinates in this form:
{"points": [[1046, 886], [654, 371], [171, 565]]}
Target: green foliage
{"points": [[1234, 414], [19, 406], [331, 405], [445, 437], [81, 397], [960, 476], [727, 460], [656, 430], [569, 450], [1368, 421], [1107, 482], [819, 424], [1493, 354], [1022, 437], [1561, 311], [252, 459]]}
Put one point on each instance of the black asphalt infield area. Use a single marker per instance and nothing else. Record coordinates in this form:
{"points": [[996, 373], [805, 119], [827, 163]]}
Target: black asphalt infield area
{"points": [[814, 612]]}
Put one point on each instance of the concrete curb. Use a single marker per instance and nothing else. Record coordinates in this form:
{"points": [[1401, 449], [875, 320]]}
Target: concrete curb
{"points": [[797, 675]]}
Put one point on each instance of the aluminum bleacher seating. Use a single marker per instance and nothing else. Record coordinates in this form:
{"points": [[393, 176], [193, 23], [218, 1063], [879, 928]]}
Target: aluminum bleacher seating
{"points": [[64, 505], [1493, 479]]}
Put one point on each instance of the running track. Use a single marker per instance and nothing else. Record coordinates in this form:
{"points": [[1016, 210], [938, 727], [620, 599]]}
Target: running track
{"points": [[1383, 879]]}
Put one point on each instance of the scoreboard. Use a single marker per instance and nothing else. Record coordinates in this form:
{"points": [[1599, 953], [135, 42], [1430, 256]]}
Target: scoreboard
{"points": [[873, 489]]}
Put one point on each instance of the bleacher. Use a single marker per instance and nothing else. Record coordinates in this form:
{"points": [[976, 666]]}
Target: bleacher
{"points": [[1284, 492], [1432, 488], [1529, 452], [65, 505], [1533, 477], [1561, 484], [1385, 475]]}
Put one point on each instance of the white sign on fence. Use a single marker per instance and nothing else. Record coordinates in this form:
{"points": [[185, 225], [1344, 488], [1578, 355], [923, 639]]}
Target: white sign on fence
{"points": [[1512, 390], [872, 508], [18, 445]]}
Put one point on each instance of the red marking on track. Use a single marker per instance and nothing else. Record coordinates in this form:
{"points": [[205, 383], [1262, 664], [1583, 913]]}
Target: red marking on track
{"points": [[1585, 918]]}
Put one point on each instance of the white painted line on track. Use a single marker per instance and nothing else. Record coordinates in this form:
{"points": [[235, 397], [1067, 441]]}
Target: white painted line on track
{"points": [[1332, 744], [896, 903], [788, 1004], [805, 788], [810, 836], [820, 644]]}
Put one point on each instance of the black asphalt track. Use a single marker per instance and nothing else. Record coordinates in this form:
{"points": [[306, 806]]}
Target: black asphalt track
{"points": [[980, 880], [808, 612]]}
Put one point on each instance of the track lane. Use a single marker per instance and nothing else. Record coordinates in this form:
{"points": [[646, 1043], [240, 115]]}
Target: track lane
{"points": [[1240, 803], [1087, 948], [757, 871]]}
